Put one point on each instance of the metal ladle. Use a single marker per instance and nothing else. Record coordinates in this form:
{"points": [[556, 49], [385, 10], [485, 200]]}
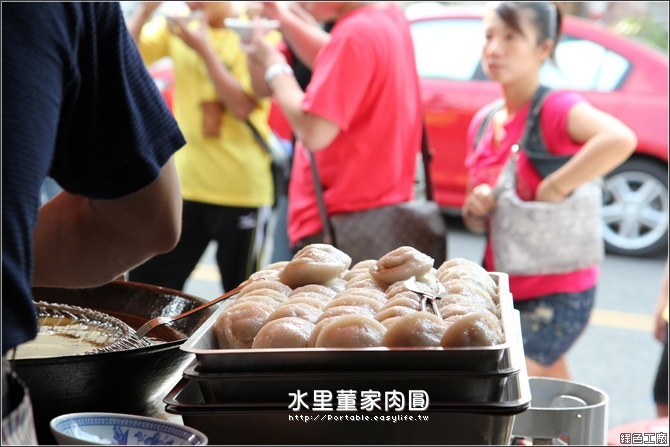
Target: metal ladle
{"points": [[427, 296]]}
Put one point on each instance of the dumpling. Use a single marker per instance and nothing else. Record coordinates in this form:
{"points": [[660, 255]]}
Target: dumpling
{"points": [[401, 264], [394, 311], [475, 277], [405, 299], [266, 295], [358, 268], [351, 331], [314, 264], [306, 299], [336, 284], [265, 299], [318, 327], [355, 300], [313, 289], [346, 310], [296, 310], [266, 284], [288, 332], [475, 329], [365, 281], [237, 326], [458, 310], [463, 287], [417, 329]]}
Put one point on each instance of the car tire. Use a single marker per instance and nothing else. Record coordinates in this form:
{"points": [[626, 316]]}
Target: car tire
{"points": [[635, 208]]}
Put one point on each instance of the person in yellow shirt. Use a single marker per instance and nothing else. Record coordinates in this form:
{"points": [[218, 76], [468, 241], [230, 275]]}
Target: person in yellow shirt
{"points": [[661, 334], [224, 171]]}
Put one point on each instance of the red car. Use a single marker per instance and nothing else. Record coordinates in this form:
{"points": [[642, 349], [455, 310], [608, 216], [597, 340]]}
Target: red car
{"points": [[616, 74]]}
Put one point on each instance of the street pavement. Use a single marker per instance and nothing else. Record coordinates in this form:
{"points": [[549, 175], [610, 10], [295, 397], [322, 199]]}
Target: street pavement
{"points": [[617, 354]]}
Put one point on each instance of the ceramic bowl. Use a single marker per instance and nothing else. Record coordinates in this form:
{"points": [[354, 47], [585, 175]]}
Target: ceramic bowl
{"points": [[121, 429], [245, 27]]}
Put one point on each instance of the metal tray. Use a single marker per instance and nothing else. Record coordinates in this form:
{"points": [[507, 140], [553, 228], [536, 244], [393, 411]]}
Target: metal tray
{"points": [[458, 423], [246, 388], [211, 359], [234, 388]]}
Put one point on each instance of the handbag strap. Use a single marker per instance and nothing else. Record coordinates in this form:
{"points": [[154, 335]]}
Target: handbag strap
{"points": [[258, 137], [532, 141], [426, 154], [507, 179], [318, 189], [532, 126]]}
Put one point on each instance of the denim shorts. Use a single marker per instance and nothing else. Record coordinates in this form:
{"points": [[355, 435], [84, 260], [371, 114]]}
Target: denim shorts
{"points": [[551, 324]]}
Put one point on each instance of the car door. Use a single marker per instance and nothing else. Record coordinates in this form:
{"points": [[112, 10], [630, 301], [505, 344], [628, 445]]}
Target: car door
{"points": [[453, 88]]}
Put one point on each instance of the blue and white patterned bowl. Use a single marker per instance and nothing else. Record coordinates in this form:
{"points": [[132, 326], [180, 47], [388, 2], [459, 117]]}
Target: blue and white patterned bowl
{"points": [[121, 429]]}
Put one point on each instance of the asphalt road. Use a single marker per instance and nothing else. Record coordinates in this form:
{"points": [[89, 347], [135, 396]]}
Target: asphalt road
{"points": [[617, 353]]}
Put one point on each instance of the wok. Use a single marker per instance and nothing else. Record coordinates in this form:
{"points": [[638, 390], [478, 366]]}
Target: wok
{"points": [[128, 381]]}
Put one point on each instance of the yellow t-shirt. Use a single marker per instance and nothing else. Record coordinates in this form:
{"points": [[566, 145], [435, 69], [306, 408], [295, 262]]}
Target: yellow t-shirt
{"points": [[232, 169]]}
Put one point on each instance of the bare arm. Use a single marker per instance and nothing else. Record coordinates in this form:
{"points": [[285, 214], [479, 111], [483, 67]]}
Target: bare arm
{"points": [[228, 88], [316, 133], [299, 29], [607, 144], [81, 242], [140, 17]]}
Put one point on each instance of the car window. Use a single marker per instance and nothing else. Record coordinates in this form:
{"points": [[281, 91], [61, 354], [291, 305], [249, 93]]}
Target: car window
{"points": [[448, 49], [585, 65], [580, 63]]}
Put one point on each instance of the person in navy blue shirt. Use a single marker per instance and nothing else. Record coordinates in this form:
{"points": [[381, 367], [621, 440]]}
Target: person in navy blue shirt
{"points": [[78, 106]]}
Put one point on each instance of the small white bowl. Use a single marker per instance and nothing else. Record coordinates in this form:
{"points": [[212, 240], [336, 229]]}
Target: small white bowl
{"points": [[121, 429], [244, 27]]}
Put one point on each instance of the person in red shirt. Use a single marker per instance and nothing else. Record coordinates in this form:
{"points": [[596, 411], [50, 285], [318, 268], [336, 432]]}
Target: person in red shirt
{"points": [[361, 114]]}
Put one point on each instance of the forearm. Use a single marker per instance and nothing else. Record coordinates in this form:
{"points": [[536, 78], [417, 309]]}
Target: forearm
{"points": [[599, 156], [257, 73], [137, 21], [289, 96], [84, 243], [228, 88], [305, 39]]}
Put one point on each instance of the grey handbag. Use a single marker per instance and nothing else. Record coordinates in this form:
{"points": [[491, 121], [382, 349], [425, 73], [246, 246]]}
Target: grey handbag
{"points": [[530, 237]]}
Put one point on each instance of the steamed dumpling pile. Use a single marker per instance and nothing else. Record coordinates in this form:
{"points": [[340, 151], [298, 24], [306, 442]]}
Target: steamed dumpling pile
{"points": [[317, 301]]}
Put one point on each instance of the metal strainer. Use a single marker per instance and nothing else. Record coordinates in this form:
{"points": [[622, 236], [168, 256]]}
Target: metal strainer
{"points": [[102, 331]]}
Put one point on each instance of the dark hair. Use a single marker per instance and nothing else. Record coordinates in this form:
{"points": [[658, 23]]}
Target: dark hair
{"points": [[547, 18]]}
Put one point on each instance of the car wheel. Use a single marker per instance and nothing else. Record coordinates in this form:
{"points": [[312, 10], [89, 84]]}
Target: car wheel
{"points": [[635, 208]]}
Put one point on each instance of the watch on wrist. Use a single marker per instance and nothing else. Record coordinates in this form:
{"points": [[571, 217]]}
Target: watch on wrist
{"points": [[275, 70]]}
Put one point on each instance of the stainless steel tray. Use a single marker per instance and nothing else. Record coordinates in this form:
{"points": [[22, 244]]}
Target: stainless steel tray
{"points": [[458, 423], [252, 388], [211, 359]]}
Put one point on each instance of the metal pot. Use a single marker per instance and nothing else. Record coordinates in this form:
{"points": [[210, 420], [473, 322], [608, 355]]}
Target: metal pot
{"points": [[126, 381]]}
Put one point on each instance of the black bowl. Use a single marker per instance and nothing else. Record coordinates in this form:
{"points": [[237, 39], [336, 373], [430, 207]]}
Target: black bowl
{"points": [[129, 381]]}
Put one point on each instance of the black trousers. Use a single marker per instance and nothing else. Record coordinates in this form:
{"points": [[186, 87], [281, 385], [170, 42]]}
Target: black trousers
{"points": [[234, 230]]}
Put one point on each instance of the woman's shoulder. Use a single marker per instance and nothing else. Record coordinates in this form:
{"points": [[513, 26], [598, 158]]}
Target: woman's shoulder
{"points": [[562, 100], [481, 114]]}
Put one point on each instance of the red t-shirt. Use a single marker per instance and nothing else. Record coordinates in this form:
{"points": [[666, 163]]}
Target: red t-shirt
{"points": [[486, 162], [365, 81]]}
